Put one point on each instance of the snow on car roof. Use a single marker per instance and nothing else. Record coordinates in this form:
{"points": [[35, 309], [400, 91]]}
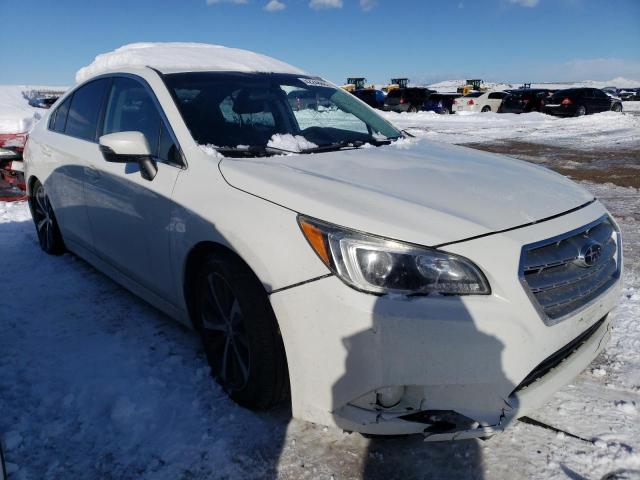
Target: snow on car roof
{"points": [[179, 56]]}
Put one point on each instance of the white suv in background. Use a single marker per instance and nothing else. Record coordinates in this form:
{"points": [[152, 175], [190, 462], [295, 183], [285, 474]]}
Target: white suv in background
{"points": [[387, 285]]}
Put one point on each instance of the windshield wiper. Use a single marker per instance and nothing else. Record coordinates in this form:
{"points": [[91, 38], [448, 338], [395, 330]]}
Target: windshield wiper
{"points": [[348, 145], [252, 151]]}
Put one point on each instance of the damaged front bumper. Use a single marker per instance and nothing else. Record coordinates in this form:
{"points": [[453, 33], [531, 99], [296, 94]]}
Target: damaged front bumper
{"points": [[437, 425], [456, 365]]}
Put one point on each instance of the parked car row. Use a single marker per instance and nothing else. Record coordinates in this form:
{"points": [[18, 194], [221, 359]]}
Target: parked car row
{"points": [[625, 94], [567, 102]]}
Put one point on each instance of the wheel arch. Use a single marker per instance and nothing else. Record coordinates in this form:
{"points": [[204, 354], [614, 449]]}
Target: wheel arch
{"points": [[190, 268], [30, 182]]}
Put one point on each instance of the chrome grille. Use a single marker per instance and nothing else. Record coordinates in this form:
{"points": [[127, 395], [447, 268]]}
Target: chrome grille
{"points": [[562, 274]]}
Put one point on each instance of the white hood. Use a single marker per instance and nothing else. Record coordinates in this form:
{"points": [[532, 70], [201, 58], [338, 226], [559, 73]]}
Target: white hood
{"points": [[428, 193]]}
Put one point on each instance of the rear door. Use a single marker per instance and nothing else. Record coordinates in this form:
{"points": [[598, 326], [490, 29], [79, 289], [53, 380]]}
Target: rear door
{"points": [[71, 146], [131, 217], [494, 100]]}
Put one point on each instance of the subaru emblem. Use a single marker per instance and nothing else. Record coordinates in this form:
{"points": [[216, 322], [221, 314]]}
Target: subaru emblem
{"points": [[589, 254]]}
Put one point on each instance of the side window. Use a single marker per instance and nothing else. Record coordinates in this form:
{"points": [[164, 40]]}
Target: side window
{"points": [[82, 119], [59, 117], [130, 108]]}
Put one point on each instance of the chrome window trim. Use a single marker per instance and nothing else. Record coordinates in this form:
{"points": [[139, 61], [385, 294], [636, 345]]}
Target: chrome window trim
{"points": [[530, 246], [182, 165]]}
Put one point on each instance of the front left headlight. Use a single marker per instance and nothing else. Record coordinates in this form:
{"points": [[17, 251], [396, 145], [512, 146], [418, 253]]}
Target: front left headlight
{"points": [[378, 265]]}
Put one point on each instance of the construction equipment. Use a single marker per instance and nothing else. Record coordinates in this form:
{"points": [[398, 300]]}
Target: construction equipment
{"points": [[471, 85], [354, 83], [396, 83]]}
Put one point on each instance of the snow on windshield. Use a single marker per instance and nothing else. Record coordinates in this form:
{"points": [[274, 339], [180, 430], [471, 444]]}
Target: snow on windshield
{"points": [[178, 55], [293, 143]]}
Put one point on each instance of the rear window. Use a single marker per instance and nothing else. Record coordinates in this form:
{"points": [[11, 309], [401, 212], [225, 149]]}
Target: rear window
{"points": [[59, 117], [82, 120], [397, 93], [474, 94]]}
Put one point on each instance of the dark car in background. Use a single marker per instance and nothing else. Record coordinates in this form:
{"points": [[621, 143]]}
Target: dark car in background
{"points": [[629, 94], [440, 102], [371, 96], [575, 102], [410, 99], [303, 100], [525, 100]]}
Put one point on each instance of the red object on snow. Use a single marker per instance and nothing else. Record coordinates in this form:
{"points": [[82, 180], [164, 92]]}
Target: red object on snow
{"points": [[13, 141], [12, 181]]}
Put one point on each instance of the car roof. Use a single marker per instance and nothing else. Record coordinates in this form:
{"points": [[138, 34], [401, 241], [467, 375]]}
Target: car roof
{"points": [[174, 57]]}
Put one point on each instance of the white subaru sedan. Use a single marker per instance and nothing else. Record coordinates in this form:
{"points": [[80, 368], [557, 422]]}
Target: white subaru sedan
{"points": [[382, 284]]}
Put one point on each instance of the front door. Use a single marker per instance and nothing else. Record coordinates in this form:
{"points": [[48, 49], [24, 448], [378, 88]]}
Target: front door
{"points": [[130, 217]]}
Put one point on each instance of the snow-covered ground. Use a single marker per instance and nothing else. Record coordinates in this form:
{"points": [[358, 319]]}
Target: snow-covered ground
{"points": [[601, 130], [96, 384]]}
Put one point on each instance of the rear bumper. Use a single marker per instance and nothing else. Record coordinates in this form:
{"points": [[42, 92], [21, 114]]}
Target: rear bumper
{"points": [[400, 108], [561, 111], [461, 355]]}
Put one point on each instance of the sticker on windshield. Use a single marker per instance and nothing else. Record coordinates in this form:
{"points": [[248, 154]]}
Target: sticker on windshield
{"points": [[315, 82]]}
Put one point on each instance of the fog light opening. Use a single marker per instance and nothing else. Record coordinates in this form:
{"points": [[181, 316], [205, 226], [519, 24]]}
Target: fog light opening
{"points": [[388, 397]]}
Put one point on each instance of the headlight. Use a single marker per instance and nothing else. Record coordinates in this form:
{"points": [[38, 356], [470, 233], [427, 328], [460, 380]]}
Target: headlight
{"points": [[379, 265]]}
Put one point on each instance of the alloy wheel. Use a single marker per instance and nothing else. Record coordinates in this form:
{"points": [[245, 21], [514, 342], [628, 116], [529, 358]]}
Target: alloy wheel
{"points": [[44, 219], [225, 338]]}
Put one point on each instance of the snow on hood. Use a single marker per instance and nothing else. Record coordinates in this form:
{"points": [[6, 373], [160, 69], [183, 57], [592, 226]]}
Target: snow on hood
{"points": [[422, 192], [178, 55]]}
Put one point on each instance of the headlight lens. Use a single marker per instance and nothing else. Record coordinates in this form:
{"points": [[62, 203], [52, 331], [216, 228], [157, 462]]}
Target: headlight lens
{"points": [[378, 265]]}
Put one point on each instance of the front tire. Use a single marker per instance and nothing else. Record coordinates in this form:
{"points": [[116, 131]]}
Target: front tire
{"points": [[49, 236], [240, 334], [617, 107]]}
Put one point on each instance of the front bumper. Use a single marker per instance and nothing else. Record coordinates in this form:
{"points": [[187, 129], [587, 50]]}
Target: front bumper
{"points": [[448, 354]]}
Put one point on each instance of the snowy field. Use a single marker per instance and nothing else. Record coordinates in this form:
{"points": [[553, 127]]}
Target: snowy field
{"points": [[601, 130]]}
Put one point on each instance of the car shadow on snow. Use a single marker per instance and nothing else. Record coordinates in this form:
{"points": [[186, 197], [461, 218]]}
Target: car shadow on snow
{"points": [[460, 359], [96, 383]]}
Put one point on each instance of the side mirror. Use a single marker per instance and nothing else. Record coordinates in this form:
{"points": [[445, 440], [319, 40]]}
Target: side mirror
{"points": [[129, 147]]}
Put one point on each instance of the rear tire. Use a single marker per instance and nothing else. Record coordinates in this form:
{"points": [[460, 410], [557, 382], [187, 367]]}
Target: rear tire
{"points": [[49, 236], [486, 109], [413, 109], [240, 334], [581, 111]]}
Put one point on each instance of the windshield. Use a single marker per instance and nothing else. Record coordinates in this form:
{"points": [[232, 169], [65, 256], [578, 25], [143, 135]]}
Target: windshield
{"points": [[231, 110]]}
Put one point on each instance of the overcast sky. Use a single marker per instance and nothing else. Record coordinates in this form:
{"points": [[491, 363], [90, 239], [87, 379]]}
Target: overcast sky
{"points": [[45, 42]]}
